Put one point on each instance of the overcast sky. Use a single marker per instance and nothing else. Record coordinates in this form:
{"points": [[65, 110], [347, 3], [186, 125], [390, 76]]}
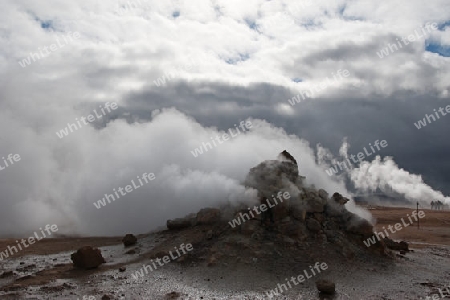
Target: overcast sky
{"points": [[182, 72]]}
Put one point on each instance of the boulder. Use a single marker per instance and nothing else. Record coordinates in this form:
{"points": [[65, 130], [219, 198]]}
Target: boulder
{"points": [[313, 225], [129, 240], [326, 286], [87, 258]]}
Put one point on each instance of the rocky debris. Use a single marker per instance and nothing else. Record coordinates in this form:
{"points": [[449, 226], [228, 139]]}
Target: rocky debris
{"points": [[326, 286], [107, 297], [209, 234], [397, 246], [122, 269], [87, 258], [129, 240]]}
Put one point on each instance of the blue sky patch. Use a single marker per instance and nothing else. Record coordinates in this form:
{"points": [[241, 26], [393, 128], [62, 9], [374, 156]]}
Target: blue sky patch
{"points": [[438, 48]]}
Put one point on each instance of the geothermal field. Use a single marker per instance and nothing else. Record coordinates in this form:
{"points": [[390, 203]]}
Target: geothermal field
{"points": [[297, 242], [224, 149]]}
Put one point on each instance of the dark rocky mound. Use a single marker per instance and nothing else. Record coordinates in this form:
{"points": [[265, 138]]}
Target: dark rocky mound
{"points": [[306, 225]]}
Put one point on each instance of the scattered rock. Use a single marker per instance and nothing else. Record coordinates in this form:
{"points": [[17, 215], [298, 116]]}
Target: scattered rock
{"points": [[326, 286], [129, 240], [107, 297], [209, 234], [87, 258], [122, 269]]}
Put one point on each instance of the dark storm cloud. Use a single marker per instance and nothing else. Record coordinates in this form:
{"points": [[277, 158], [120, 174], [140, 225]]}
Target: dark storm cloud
{"points": [[362, 120]]}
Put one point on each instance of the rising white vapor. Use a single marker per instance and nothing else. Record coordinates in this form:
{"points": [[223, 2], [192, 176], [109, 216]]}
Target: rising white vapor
{"points": [[61, 178], [385, 174]]}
